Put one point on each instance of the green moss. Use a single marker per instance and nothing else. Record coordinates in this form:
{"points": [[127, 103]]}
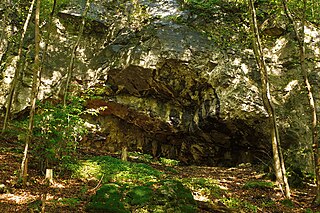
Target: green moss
{"points": [[287, 203], [107, 199], [234, 203], [116, 170], [139, 195], [133, 186], [169, 162], [71, 202], [204, 186]]}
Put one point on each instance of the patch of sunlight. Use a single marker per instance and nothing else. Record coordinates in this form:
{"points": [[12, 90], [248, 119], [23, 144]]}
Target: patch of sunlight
{"points": [[237, 61], [311, 35], [91, 74], [280, 43], [149, 57], [92, 127], [236, 81], [42, 44], [58, 24], [275, 53], [163, 8], [129, 55], [292, 84], [244, 68], [47, 82], [22, 198], [81, 55], [316, 50], [9, 72], [89, 169], [58, 185], [199, 197], [187, 55]]}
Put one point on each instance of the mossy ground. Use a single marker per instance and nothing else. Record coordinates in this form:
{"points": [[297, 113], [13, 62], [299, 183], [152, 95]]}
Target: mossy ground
{"points": [[107, 184]]}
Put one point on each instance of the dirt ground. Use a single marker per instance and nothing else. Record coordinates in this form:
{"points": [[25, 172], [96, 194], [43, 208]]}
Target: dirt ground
{"points": [[59, 196]]}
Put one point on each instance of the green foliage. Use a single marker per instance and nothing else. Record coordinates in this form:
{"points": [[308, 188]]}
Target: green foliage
{"points": [[310, 211], [71, 202], [169, 162], [268, 203], [234, 203], [115, 170], [139, 195], [258, 184], [287, 202], [145, 158], [57, 131], [204, 186], [202, 4], [131, 186], [107, 199]]}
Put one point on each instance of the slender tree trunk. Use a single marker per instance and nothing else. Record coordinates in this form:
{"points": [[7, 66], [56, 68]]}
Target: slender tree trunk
{"points": [[17, 71], [34, 93], [124, 153], [73, 54], [266, 97], [312, 105]]}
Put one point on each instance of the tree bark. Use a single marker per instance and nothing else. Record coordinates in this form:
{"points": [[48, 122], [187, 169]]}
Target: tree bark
{"points": [[266, 97], [124, 153], [312, 105], [34, 94], [17, 71], [74, 50]]}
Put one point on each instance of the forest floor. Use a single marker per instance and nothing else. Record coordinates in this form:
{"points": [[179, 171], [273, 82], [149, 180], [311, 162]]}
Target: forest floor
{"points": [[67, 194]]}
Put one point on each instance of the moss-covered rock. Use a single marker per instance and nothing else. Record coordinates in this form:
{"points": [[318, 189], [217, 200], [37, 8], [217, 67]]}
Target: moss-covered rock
{"points": [[165, 196]]}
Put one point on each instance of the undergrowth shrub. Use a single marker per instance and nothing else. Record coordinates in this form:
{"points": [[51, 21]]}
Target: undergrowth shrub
{"points": [[57, 132]]}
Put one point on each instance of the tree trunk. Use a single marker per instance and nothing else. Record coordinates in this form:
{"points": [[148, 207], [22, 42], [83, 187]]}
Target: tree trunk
{"points": [[266, 97], [73, 54], [312, 105], [124, 153], [34, 93], [17, 71]]}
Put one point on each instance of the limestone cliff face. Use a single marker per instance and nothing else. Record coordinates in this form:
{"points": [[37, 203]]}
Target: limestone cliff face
{"points": [[173, 83]]}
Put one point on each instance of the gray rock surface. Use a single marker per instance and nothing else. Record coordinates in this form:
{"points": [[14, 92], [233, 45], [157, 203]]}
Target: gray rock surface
{"points": [[174, 83]]}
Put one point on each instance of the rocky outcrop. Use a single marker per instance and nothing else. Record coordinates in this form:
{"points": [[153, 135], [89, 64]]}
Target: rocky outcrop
{"points": [[165, 84]]}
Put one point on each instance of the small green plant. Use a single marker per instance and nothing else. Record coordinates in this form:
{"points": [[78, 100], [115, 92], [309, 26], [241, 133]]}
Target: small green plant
{"points": [[308, 211], [268, 203], [234, 203], [287, 203], [258, 184], [71, 202], [205, 186], [169, 162], [231, 202], [145, 158], [57, 131]]}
